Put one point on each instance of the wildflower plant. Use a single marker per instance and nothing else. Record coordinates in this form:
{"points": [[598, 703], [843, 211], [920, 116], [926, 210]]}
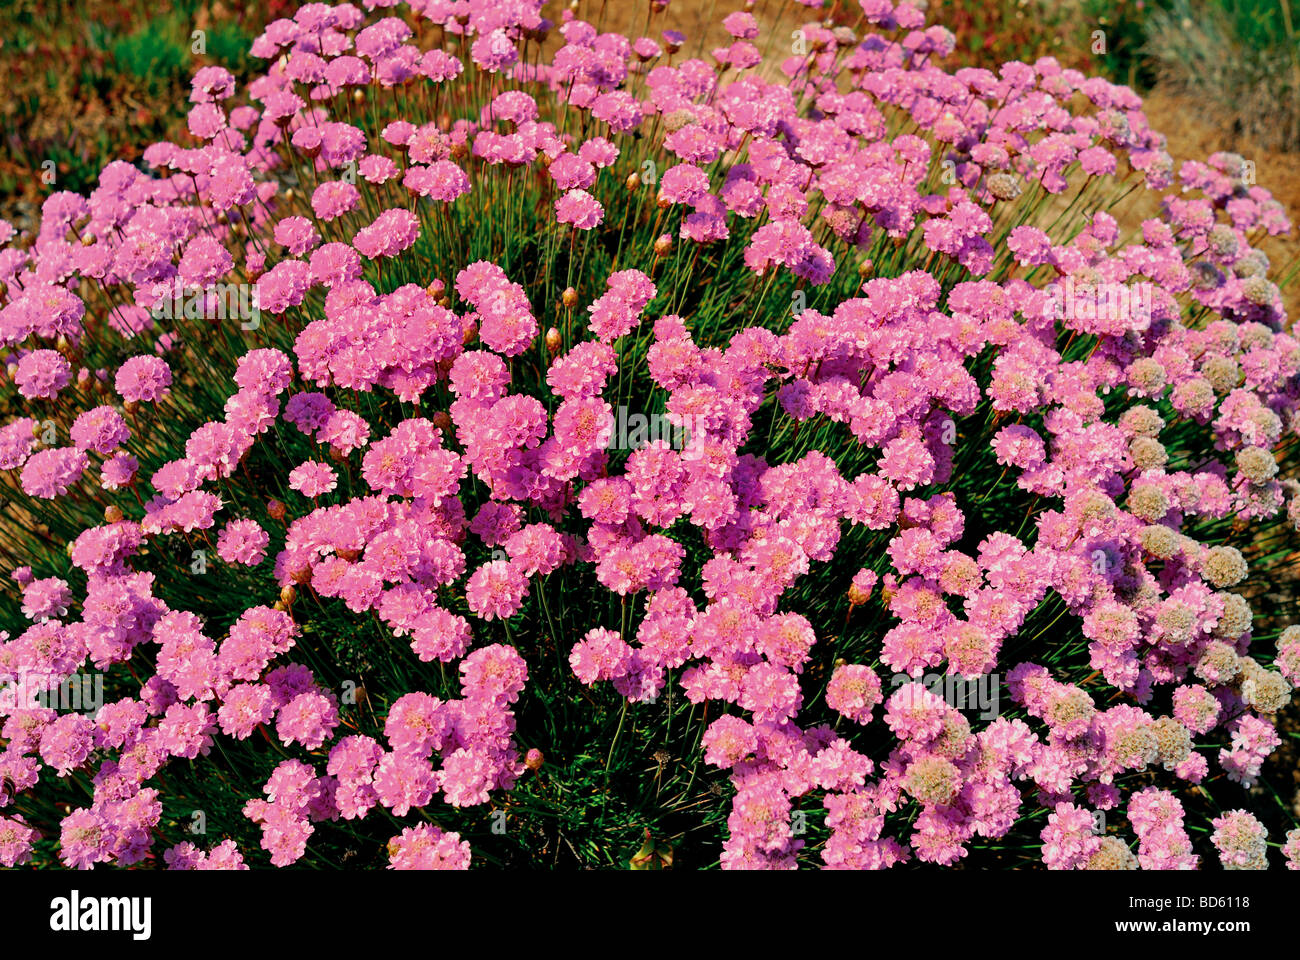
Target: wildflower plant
{"points": [[369, 581]]}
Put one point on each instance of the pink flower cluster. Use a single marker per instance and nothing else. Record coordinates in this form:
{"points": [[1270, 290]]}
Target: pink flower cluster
{"points": [[895, 365]]}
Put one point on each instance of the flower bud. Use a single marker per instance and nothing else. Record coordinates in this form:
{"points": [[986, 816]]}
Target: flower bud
{"points": [[664, 245], [632, 182], [442, 420], [288, 594], [533, 759], [112, 514], [276, 509], [553, 341]]}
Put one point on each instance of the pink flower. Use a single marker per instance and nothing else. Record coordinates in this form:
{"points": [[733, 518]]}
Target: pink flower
{"points": [[494, 51], [297, 234], [683, 183], [496, 590], [388, 235], [426, 847], [101, 430], [728, 741], [42, 373], [312, 479], [442, 180], [51, 473], [403, 781], [16, 839], [242, 541], [600, 655], [579, 208], [143, 378], [309, 719], [333, 198], [853, 691], [246, 706]]}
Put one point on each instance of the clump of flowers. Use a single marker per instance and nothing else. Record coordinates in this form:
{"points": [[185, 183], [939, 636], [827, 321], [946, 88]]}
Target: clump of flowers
{"points": [[364, 557]]}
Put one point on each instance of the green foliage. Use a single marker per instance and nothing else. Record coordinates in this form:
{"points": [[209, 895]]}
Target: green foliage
{"points": [[1124, 23], [91, 83], [155, 54], [228, 45], [1238, 57]]}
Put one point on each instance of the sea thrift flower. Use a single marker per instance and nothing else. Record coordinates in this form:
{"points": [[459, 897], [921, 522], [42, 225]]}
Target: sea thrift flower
{"points": [[143, 378], [242, 541], [496, 590], [390, 233], [854, 689], [312, 479], [426, 847], [579, 208], [600, 655], [1241, 841], [42, 374]]}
